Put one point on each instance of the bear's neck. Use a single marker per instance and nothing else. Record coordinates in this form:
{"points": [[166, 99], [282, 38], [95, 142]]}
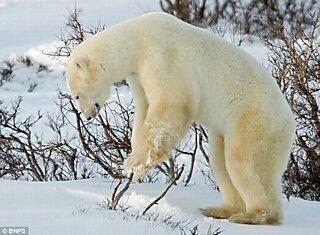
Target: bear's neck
{"points": [[118, 52]]}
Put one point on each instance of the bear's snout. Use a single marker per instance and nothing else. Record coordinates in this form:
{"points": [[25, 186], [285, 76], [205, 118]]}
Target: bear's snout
{"points": [[95, 111], [89, 114]]}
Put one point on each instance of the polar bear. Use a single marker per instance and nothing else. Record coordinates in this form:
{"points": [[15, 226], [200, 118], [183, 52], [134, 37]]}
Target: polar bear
{"points": [[178, 74]]}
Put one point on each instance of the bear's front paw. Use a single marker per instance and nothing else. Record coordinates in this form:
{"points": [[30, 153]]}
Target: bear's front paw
{"points": [[137, 168]]}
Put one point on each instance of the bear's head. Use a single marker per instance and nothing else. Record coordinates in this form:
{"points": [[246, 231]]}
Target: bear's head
{"points": [[87, 85]]}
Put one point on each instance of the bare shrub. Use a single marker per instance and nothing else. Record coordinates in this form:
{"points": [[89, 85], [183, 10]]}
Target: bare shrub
{"points": [[6, 72], [249, 17], [75, 33], [105, 141], [295, 62], [199, 12], [259, 16], [25, 156]]}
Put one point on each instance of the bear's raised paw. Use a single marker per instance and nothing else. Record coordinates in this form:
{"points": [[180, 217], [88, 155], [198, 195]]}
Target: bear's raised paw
{"points": [[137, 168]]}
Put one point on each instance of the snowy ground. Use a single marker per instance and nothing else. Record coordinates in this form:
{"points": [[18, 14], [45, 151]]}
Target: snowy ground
{"points": [[77, 207]]}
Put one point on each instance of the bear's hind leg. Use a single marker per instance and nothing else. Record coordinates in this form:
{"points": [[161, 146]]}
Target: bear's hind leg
{"points": [[232, 202], [258, 181]]}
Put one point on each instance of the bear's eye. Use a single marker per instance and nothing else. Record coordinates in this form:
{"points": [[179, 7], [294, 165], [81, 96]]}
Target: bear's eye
{"points": [[77, 97], [97, 105]]}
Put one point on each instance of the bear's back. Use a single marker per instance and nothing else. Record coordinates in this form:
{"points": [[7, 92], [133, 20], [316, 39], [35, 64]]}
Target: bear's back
{"points": [[166, 30], [165, 26]]}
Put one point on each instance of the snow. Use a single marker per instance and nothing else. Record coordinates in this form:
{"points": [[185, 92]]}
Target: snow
{"points": [[29, 27], [76, 207]]}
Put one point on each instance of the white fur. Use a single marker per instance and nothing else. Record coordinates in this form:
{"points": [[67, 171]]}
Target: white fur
{"points": [[179, 73]]}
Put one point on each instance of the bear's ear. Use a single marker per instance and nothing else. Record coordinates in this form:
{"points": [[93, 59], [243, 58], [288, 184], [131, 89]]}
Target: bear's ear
{"points": [[82, 63]]}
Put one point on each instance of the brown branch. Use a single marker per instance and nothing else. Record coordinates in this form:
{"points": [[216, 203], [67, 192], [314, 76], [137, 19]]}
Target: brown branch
{"points": [[173, 182], [116, 197]]}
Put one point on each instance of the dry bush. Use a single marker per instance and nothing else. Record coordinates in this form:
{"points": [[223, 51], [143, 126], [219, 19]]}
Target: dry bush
{"points": [[249, 17], [25, 156], [6, 72], [105, 141], [74, 152], [75, 33], [199, 12], [295, 62]]}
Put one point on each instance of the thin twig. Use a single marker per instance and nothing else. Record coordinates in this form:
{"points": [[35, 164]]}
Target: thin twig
{"points": [[179, 173], [116, 197], [193, 156]]}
